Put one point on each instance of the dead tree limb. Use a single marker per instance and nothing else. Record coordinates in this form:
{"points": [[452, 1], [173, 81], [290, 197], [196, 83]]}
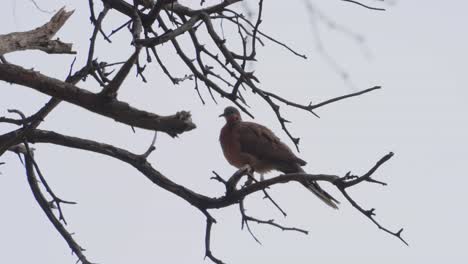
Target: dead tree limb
{"points": [[221, 68], [204, 202], [39, 38], [119, 111]]}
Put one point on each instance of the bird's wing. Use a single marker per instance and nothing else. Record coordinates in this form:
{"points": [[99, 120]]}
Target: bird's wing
{"points": [[263, 144]]}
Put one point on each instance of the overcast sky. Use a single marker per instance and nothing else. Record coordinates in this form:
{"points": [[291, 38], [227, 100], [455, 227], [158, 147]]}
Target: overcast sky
{"points": [[416, 50]]}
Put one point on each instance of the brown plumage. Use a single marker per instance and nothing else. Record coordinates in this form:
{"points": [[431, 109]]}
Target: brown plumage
{"points": [[248, 143]]}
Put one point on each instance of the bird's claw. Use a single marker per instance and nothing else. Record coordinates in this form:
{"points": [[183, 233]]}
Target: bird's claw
{"points": [[248, 182]]}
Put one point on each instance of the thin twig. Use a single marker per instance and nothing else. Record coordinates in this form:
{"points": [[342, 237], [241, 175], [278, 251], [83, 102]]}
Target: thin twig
{"points": [[363, 5]]}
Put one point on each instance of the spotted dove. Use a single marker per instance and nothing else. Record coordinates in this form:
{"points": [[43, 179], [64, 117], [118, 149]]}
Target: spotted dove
{"points": [[248, 143]]}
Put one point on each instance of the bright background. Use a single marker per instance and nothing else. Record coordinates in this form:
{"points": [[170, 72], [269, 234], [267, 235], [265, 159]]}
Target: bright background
{"points": [[416, 50]]}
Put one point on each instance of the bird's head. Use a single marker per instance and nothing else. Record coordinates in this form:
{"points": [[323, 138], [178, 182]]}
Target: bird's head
{"points": [[231, 114]]}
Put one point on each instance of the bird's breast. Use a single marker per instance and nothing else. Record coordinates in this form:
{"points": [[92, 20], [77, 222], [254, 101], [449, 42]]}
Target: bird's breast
{"points": [[231, 146]]}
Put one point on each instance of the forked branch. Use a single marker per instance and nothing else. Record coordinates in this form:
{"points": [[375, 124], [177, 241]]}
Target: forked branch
{"points": [[31, 169], [220, 67], [235, 196], [39, 38]]}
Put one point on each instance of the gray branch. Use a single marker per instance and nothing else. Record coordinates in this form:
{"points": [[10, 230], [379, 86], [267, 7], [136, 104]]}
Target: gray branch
{"points": [[103, 105], [39, 38]]}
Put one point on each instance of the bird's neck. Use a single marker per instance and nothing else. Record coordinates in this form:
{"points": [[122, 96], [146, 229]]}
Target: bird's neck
{"points": [[233, 120]]}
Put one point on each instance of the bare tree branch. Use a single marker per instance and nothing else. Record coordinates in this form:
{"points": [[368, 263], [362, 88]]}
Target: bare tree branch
{"points": [[200, 201], [223, 69], [363, 5], [39, 8], [186, 11], [39, 38], [44, 204], [246, 219], [209, 223], [117, 110], [111, 89], [149, 42]]}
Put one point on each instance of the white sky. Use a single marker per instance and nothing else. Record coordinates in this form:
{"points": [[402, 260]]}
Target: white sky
{"points": [[417, 53]]}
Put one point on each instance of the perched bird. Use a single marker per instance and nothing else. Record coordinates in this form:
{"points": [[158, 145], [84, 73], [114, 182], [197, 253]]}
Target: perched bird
{"points": [[248, 143]]}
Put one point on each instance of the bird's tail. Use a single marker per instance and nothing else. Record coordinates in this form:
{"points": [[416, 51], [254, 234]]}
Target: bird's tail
{"points": [[315, 188]]}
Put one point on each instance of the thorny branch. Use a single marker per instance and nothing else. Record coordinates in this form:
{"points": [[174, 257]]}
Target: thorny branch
{"points": [[213, 62], [203, 202], [209, 223], [32, 168], [45, 206], [246, 219], [20, 149]]}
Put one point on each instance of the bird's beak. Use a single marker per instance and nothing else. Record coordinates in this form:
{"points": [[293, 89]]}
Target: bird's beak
{"points": [[221, 115]]}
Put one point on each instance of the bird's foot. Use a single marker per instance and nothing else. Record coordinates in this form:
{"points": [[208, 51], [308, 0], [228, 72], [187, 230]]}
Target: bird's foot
{"points": [[250, 179], [248, 182], [249, 171]]}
